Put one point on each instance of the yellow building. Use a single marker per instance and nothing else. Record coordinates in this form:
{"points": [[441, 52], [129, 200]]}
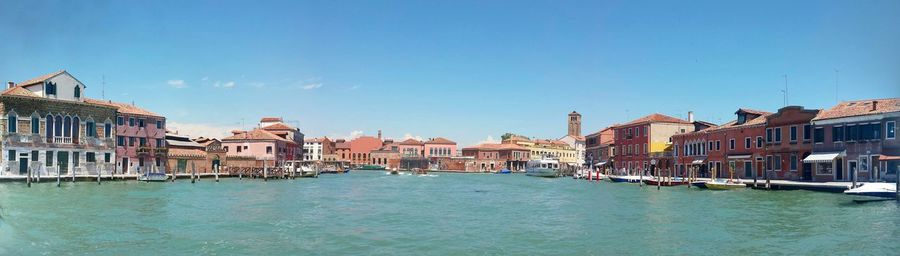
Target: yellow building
{"points": [[546, 148]]}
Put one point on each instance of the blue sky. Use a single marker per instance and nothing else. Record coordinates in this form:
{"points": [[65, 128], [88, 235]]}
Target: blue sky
{"points": [[464, 70]]}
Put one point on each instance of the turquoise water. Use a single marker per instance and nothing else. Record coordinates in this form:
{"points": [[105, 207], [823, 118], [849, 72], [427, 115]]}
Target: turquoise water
{"points": [[368, 212]]}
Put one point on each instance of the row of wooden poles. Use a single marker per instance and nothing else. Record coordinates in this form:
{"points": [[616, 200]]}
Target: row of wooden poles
{"points": [[251, 172]]}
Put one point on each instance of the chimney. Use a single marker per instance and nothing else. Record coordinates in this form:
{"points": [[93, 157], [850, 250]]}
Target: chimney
{"points": [[10, 84], [379, 134], [690, 116], [874, 105]]}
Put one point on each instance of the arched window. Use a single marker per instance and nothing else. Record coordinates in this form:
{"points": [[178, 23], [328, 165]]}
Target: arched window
{"points": [[49, 128], [76, 127], [67, 127], [35, 125], [90, 129], [77, 91], [58, 127], [12, 123]]}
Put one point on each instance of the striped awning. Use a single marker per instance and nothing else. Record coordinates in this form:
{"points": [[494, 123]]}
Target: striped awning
{"points": [[888, 158], [698, 161], [822, 157], [739, 156]]}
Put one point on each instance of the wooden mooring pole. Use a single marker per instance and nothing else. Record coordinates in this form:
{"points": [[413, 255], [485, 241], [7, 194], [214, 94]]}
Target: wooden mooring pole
{"points": [[28, 179], [217, 173], [897, 186], [58, 177], [98, 177], [193, 173]]}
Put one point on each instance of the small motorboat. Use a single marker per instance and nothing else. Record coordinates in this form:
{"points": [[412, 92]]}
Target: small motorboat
{"points": [[504, 171], [394, 172], [153, 177], [724, 185], [307, 172], [875, 189], [666, 183], [625, 178], [699, 184]]}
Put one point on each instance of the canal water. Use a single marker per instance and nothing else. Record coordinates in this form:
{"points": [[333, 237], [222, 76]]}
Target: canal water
{"points": [[371, 213]]}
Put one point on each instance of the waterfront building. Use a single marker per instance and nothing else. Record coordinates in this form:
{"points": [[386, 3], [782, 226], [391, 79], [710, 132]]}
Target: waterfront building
{"points": [[315, 149], [260, 145], [387, 156], [276, 125], [412, 148], [140, 138], [185, 155], [361, 148], [793, 122], [646, 138], [690, 149], [600, 147], [738, 146], [439, 151], [215, 153], [543, 148], [856, 138], [494, 157], [342, 151], [47, 126]]}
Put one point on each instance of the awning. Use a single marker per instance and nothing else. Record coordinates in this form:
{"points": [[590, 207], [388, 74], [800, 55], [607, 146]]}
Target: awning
{"points": [[739, 156], [888, 158], [822, 157], [698, 161], [600, 163]]}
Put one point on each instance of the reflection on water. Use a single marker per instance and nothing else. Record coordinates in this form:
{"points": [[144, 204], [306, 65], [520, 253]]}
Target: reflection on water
{"points": [[441, 214]]}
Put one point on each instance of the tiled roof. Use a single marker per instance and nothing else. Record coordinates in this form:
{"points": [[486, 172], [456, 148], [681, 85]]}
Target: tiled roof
{"points": [[270, 119], [411, 142], [496, 146], [187, 152], [19, 91], [278, 127], [123, 107], [656, 118], [440, 140], [41, 79], [860, 108], [256, 134], [753, 111], [342, 145]]}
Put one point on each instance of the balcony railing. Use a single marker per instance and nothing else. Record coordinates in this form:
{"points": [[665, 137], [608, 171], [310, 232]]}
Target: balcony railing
{"points": [[62, 140]]}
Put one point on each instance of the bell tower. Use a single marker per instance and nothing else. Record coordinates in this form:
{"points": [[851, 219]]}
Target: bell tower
{"points": [[574, 124]]}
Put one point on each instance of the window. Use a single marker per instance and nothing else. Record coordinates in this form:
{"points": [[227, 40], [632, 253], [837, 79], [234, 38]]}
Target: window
{"points": [[131, 141], [142, 142], [226, 149], [675, 150], [239, 149], [637, 132], [76, 158], [107, 130], [268, 149], [759, 142], [91, 129], [793, 133], [768, 163], [645, 131], [747, 143], [777, 134], [120, 120], [769, 135], [131, 121], [48, 128], [106, 157], [49, 158], [819, 135], [158, 162], [11, 123], [50, 87], [645, 148], [11, 155], [778, 162], [141, 161], [35, 125], [837, 133], [90, 157], [731, 144], [711, 145], [889, 130], [863, 163], [852, 131], [793, 163], [141, 123], [34, 155], [807, 132], [159, 143], [718, 145], [158, 124], [120, 141]]}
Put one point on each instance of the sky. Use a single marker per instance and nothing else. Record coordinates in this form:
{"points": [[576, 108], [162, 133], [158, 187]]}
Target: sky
{"points": [[465, 70]]}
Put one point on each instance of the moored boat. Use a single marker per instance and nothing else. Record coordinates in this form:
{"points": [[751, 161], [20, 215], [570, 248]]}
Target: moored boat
{"points": [[625, 178], [548, 168], [153, 177], [307, 172], [724, 185], [666, 183], [874, 189], [699, 184], [370, 167]]}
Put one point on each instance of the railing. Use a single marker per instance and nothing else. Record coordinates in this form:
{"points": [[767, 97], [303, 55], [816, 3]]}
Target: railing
{"points": [[144, 150], [62, 140]]}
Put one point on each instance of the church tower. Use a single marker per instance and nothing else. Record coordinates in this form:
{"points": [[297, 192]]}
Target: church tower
{"points": [[574, 124]]}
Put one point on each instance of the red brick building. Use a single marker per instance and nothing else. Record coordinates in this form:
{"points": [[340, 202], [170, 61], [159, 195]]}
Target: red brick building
{"points": [[645, 138], [599, 147], [737, 146], [793, 122], [361, 147], [689, 150], [494, 157]]}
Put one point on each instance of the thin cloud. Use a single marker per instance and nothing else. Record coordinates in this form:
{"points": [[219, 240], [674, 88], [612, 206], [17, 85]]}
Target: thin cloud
{"points": [[410, 136], [353, 88], [312, 86], [490, 139], [228, 84], [177, 83], [204, 78], [200, 129]]}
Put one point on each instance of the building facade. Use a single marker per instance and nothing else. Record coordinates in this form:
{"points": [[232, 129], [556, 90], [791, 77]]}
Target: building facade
{"points": [[646, 138], [494, 157], [48, 128], [140, 139], [793, 122], [260, 145]]}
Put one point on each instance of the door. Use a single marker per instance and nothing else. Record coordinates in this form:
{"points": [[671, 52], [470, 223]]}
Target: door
{"points": [[124, 165], [851, 169], [839, 169], [23, 165], [62, 161], [748, 169]]}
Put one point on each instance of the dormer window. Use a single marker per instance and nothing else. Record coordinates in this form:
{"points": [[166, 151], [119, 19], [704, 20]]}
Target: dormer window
{"points": [[77, 91], [50, 88], [742, 118]]}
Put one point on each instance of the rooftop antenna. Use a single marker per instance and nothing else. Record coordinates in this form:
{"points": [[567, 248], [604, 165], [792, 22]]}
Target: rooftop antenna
{"points": [[103, 88], [785, 91]]}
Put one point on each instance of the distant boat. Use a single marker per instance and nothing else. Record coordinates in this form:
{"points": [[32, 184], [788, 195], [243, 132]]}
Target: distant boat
{"points": [[724, 185], [307, 172], [699, 184], [153, 177], [371, 167], [504, 171], [876, 189], [626, 178], [665, 183], [547, 168]]}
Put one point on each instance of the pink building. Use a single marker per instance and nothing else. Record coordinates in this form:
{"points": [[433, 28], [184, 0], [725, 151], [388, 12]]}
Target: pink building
{"points": [[412, 148], [260, 144], [140, 138], [439, 147], [360, 149]]}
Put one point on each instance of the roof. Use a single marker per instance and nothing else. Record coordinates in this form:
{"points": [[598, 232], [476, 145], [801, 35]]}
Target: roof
{"points": [[181, 143], [411, 142], [278, 127], [123, 107], [19, 91], [496, 146], [733, 123], [577, 138], [753, 111], [706, 123], [270, 119], [342, 145], [41, 79], [256, 134], [440, 140], [656, 118], [186, 152], [860, 108]]}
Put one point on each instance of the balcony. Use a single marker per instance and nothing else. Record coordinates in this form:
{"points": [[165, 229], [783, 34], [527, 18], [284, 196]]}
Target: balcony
{"points": [[147, 150], [62, 140]]}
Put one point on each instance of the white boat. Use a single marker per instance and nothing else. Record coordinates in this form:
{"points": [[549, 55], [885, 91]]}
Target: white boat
{"points": [[876, 189], [627, 178], [548, 168], [307, 172], [153, 176]]}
